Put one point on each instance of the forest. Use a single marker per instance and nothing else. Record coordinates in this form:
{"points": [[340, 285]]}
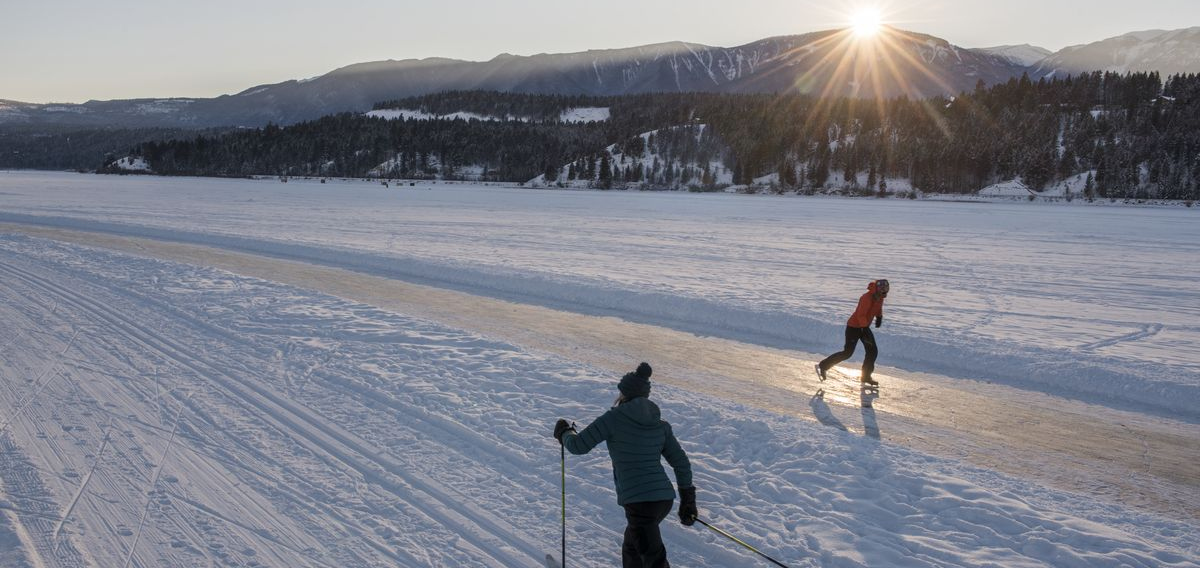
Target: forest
{"points": [[1132, 135]]}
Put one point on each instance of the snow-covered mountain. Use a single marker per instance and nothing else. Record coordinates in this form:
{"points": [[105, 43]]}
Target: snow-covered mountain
{"points": [[1024, 55], [1168, 52], [829, 62], [129, 113]]}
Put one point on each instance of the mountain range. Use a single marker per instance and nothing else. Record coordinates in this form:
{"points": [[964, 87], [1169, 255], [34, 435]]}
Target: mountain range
{"points": [[1168, 52], [831, 63]]}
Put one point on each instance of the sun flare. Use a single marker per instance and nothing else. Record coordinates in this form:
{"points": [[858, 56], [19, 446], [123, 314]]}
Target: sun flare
{"points": [[866, 22]]}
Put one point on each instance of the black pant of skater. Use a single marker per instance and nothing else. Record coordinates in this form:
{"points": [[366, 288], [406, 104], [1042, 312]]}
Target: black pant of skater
{"points": [[853, 335], [643, 546]]}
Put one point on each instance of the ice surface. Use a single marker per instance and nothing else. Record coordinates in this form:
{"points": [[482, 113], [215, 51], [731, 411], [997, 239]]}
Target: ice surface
{"points": [[1093, 302], [162, 414]]}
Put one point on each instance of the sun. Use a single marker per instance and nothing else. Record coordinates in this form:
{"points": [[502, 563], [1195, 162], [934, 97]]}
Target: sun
{"points": [[866, 22]]}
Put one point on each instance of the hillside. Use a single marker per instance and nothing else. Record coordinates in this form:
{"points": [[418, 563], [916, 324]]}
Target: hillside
{"points": [[1121, 131], [828, 63]]}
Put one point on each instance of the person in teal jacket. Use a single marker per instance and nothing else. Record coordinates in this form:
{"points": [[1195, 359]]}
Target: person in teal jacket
{"points": [[638, 438]]}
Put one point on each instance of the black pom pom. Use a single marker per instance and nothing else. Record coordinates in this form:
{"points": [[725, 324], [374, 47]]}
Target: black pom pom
{"points": [[644, 371]]}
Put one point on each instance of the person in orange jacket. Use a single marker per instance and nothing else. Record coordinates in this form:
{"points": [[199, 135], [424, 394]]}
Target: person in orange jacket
{"points": [[858, 328]]}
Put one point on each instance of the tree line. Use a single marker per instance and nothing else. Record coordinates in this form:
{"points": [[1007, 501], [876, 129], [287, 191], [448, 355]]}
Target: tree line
{"points": [[41, 147], [1133, 135]]}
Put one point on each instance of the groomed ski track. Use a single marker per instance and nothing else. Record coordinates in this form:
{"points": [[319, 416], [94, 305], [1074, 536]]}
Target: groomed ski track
{"points": [[1139, 460], [97, 308]]}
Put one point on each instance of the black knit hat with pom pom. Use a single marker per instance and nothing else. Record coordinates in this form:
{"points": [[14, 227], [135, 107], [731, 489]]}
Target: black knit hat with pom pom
{"points": [[637, 383]]}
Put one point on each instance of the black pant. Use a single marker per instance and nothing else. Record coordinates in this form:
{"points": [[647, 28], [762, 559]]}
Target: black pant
{"points": [[643, 546], [853, 335]]}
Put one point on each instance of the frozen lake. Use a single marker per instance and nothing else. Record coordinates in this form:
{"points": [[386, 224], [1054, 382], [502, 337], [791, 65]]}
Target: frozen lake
{"points": [[1093, 301], [167, 404]]}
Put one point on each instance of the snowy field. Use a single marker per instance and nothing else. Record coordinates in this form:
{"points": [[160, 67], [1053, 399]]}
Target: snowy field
{"points": [[1096, 303], [158, 413]]}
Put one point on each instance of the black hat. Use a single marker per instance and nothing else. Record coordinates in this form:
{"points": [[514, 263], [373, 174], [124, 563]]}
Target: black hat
{"points": [[637, 383]]}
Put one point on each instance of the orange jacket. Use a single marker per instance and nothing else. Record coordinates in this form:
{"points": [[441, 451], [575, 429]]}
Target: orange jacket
{"points": [[870, 306]]}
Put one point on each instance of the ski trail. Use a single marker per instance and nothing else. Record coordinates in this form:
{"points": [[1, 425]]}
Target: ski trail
{"points": [[447, 502], [1147, 330], [27, 543], [162, 463], [489, 536], [41, 385], [82, 487], [347, 516]]}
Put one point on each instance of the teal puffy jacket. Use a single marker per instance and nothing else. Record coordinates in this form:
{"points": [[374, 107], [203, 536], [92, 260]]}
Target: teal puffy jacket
{"points": [[637, 439]]}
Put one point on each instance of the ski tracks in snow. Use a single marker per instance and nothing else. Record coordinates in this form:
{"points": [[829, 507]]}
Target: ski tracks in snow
{"points": [[390, 479], [306, 430], [1147, 330]]}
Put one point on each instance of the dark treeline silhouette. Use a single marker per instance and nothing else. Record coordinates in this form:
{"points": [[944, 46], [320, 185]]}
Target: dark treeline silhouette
{"points": [[1131, 135], [69, 148], [350, 145]]}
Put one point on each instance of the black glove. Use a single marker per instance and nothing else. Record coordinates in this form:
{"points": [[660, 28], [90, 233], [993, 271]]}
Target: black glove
{"points": [[878, 321], [687, 506], [561, 428]]}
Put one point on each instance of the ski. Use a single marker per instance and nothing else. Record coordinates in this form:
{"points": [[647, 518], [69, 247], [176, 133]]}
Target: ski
{"points": [[551, 562]]}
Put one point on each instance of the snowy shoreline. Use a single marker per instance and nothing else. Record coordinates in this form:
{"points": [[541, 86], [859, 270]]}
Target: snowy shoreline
{"points": [[759, 190]]}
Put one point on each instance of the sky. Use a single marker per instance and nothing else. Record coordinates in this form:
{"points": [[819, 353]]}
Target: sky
{"points": [[79, 50]]}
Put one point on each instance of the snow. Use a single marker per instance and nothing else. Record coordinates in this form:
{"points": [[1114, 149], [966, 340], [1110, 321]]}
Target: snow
{"points": [[434, 170], [721, 175], [407, 114], [76, 109], [159, 413], [1010, 188], [1132, 327], [132, 164], [585, 114], [163, 106], [1069, 188], [1024, 54], [575, 114]]}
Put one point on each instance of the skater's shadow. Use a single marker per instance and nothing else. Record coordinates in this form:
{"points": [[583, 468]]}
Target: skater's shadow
{"points": [[824, 414], [821, 410], [870, 425]]}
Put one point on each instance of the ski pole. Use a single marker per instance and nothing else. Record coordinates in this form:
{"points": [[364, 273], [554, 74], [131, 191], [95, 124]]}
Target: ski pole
{"points": [[563, 455], [735, 539]]}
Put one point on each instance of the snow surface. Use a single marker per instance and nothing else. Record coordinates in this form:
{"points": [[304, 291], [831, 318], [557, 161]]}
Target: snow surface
{"points": [[407, 114], [1093, 303], [163, 106], [154, 413], [132, 164], [164, 414], [1024, 54], [585, 114], [721, 175], [1010, 188], [576, 114], [391, 168]]}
